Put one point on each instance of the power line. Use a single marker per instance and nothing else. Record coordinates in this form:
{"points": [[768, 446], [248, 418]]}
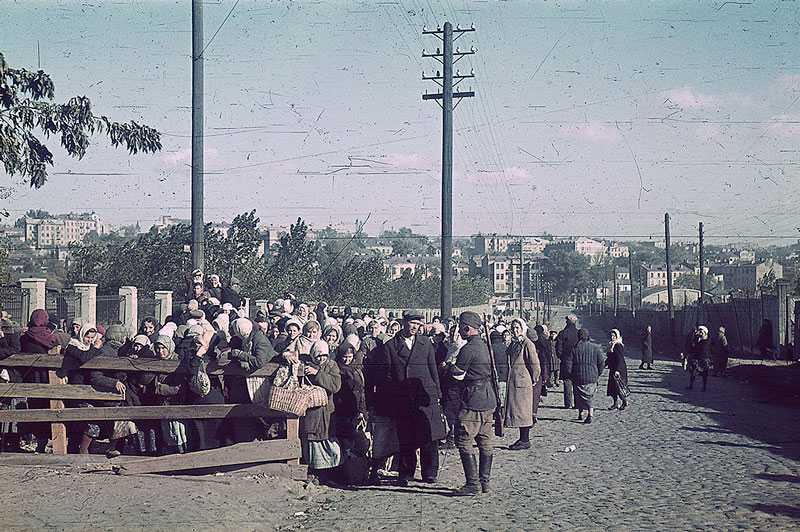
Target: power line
{"points": [[215, 33]]}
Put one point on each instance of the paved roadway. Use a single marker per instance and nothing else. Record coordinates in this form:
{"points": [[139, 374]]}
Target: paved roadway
{"points": [[675, 460]]}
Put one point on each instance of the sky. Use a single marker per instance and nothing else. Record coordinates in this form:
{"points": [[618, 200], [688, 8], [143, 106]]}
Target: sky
{"points": [[590, 118]]}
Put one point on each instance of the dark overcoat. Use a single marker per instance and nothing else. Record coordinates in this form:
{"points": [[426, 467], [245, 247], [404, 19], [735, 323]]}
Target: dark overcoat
{"points": [[407, 390], [615, 361], [647, 348]]}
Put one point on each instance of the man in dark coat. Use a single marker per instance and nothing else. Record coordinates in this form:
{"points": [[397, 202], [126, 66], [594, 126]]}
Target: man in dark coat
{"points": [[473, 371], [647, 348], [407, 389], [565, 342]]}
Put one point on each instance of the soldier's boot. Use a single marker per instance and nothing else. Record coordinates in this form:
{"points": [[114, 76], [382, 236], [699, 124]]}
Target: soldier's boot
{"points": [[470, 464], [485, 470]]}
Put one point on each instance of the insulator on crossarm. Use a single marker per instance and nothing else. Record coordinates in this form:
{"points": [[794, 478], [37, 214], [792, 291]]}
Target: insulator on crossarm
{"points": [[424, 27], [458, 50], [473, 49]]}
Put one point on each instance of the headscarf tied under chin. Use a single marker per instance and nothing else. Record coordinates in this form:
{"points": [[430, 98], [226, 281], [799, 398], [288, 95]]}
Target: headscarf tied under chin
{"points": [[86, 328], [241, 328], [167, 342], [612, 343]]}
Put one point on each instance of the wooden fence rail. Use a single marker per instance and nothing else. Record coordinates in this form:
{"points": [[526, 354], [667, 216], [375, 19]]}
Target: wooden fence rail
{"points": [[284, 451]]}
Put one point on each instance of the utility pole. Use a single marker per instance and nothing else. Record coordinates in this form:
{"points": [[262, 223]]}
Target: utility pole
{"points": [[198, 226], [669, 278], [616, 293], [445, 57], [701, 300], [521, 279], [630, 277], [538, 280]]}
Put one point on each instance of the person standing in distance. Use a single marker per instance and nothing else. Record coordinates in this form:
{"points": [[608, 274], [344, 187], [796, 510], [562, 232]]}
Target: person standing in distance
{"points": [[566, 341], [473, 372]]}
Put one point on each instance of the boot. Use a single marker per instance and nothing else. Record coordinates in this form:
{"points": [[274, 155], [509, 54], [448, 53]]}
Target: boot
{"points": [[152, 447], [139, 443], [485, 470], [470, 489]]}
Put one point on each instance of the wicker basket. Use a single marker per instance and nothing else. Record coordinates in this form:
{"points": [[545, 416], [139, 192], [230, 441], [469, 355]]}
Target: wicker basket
{"points": [[297, 400]]}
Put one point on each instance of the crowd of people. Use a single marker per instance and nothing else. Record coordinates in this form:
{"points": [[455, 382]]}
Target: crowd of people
{"points": [[398, 388]]}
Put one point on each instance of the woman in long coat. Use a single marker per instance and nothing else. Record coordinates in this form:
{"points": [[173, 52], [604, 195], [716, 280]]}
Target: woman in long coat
{"points": [[524, 374], [647, 348], [615, 362], [315, 426]]}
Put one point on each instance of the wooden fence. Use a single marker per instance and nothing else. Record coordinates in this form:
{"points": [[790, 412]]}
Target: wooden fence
{"points": [[282, 451]]}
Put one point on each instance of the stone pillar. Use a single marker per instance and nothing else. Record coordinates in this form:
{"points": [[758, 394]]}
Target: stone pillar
{"points": [[128, 308], [86, 302], [33, 297], [163, 305], [782, 290], [245, 313], [261, 304]]}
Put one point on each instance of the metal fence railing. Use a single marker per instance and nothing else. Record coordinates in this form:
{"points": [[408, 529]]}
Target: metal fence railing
{"points": [[108, 308], [147, 307], [12, 301], [63, 305]]}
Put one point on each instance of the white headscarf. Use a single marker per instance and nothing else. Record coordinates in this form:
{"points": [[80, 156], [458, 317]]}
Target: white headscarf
{"points": [[618, 340]]}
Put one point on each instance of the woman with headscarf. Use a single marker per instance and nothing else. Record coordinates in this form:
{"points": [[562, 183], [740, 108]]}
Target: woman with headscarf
{"points": [[617, 369], [315, 425], [524, 374], [351, 407], [700, 356], [250, 349], [39, 338], [332, 334], [159, 389], [141, 347]]}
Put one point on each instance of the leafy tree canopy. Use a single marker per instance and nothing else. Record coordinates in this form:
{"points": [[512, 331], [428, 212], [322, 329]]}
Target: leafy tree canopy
{"points": [[26, 106]]}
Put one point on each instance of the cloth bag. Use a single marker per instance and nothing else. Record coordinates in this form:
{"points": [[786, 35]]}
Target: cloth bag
{"points": [[621, 386], [325, 454], [383, 430]]}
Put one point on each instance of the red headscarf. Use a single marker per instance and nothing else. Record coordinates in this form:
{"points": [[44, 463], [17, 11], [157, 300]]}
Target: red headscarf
{"points": [[38, 330]]}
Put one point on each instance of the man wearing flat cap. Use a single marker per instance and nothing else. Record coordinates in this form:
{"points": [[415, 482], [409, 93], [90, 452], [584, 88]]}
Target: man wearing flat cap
{"points": [[473, 372], [405, 378]]}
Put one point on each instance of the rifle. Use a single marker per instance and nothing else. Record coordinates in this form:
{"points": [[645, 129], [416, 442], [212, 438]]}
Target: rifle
{"points": [[499, 414]]}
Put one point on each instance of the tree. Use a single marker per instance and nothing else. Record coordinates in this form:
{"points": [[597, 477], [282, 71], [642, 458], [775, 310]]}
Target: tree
{"points": [[570, 271], [405, 242], [26, 105]]}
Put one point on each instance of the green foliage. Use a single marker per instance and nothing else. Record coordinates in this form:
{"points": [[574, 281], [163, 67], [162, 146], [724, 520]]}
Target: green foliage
{"points": [[24, 107], [405, 242], [570, 271], [330, 270], [5, 275]]}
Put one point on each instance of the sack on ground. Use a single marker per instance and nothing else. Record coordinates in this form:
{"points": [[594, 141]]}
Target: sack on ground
{"points": [[325, 454]]}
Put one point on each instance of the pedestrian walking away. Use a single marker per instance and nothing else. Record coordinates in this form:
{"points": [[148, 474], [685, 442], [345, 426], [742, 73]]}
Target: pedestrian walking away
{"points": [[585, 367], [647, 348], [566, 341]]}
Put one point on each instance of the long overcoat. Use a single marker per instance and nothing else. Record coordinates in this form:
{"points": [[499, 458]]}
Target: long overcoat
{"points": [[407, 389], [615, 361], [524, 372], [647, 348]]}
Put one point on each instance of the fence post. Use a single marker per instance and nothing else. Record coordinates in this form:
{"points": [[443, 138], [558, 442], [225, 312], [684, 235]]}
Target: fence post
{"points": [[33, 296], [128, 308], [782, 290], [58, 431], [262, 305], [87, 299], [163, 305], [245, 307]]}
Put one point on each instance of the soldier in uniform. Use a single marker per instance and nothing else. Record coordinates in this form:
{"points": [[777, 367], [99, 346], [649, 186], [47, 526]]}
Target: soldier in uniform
{"points": [[473, 372]]}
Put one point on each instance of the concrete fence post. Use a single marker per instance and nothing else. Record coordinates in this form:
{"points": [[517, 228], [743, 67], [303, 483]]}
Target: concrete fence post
{"points": [[262, 305], [128, 308], [782, 290], [245, 308], [86, 295], [163, 305], [33, 296]]}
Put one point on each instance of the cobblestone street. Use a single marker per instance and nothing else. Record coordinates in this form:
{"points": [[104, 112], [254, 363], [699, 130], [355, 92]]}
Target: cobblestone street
{"points": [[676, 459]]}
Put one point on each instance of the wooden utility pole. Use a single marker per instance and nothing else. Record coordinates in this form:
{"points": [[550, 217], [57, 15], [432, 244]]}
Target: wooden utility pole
{"points": [[701, 300], [521, 279], [445, 57], [670, 304], [616, 294], [630, 281], [198, 225]]}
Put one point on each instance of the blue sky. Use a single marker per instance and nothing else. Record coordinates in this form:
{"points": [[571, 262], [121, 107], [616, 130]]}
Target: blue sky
{"points": [[590, 118]]}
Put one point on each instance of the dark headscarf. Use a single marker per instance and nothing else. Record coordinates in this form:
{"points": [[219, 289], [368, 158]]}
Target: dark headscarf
{"points": [[38, 330]]}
